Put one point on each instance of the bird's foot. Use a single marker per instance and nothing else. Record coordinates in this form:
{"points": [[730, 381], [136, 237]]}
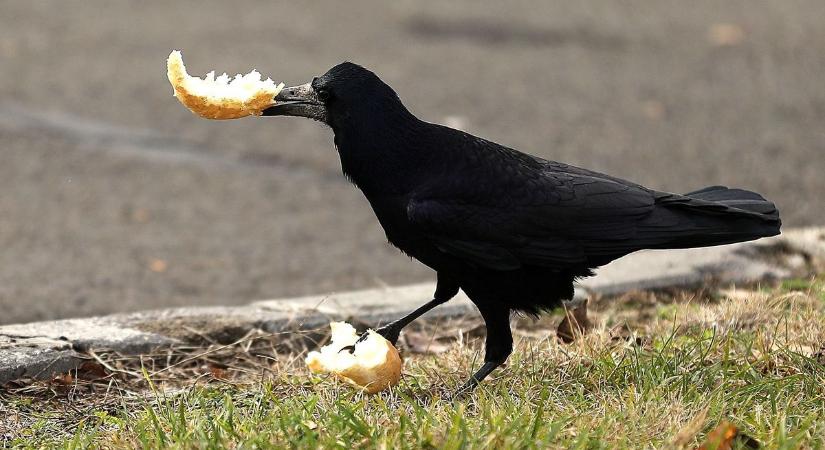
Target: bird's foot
{"points": [[389, 333], [464, 391], [468, 387]]}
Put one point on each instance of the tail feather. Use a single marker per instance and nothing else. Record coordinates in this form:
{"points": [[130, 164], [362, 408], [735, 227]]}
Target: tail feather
{"points": [[737, 199], [721, 193], [711, 216], [715, 215]]}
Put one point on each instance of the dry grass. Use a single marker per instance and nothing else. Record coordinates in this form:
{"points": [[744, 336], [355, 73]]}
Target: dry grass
{"points": [[657, 370]]}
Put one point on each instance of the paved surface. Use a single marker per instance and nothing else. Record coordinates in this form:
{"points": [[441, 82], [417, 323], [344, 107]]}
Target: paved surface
{"points": [[42, 349], [114, 198]]}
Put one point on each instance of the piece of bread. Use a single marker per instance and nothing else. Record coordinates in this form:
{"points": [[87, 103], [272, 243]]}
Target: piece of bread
{"points": [[221, 98], [373, 366]]}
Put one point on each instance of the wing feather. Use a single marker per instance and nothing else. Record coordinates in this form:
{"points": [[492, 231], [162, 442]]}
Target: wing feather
{"points": [[544, 214]]}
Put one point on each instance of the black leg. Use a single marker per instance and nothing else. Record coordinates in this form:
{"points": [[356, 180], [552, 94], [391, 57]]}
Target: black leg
{"points": [[445, 290], [498, 346], [480, 374], [392, 330]]}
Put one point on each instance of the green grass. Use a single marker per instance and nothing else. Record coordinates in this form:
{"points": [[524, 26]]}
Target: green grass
{"points": [[752, 358], [812, 286]]}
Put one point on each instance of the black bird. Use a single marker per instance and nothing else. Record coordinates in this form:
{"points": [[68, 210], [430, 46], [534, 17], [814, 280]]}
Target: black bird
{"points": [[512, 230]]}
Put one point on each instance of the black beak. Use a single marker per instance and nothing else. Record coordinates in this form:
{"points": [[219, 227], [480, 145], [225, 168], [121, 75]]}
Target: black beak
{"points": [[299, 101]]}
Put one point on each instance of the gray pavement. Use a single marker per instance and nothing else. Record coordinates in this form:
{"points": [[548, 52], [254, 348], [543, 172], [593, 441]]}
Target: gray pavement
{"points": [[114, 198]]}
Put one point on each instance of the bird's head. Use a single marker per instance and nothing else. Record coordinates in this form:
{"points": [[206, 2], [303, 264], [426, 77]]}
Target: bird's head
{"points": [[346, 92]]}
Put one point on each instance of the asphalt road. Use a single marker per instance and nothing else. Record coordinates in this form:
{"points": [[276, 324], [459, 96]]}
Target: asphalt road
{"points": [[115, 198]]}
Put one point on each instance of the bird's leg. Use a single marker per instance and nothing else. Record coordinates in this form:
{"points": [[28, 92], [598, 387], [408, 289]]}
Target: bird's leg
{"points": [[480, 374], [392, 330], [498, 346], [444, 291]]}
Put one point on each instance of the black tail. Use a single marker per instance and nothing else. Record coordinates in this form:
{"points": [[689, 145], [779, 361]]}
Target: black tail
{"points": [[714, 215], [739, 199]]}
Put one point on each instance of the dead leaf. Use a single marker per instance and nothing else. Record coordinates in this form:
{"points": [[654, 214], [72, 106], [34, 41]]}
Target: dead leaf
{"points": [[64, 379], [217, 372], [574, 324], [91, 370], [723, 436]]}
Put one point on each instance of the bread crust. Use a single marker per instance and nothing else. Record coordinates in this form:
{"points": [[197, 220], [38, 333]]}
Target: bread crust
{"points": [[216, 107], [371, 378], [375, 379]]}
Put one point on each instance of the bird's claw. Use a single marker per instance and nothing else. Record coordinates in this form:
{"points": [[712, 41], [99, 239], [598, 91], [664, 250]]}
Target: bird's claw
{"points": [[390, 333], [351, 348], [464, 391]]}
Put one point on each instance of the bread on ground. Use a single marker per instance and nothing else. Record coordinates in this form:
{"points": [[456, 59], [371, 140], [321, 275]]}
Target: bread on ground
{"points": [[222, 97], [374, 365]]}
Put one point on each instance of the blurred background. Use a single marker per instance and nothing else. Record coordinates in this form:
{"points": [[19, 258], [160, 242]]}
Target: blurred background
{"points": [[113, 197]]}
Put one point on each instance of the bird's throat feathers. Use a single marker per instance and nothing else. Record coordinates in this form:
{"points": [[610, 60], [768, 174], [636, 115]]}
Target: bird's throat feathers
{"points": [[377, 151]]}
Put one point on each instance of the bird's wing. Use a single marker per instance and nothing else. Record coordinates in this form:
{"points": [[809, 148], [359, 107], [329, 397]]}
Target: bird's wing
{"points": [[511, 215]]}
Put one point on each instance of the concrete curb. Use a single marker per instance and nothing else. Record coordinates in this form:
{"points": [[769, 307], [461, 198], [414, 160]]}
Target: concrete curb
{"points": [[42, 349]]}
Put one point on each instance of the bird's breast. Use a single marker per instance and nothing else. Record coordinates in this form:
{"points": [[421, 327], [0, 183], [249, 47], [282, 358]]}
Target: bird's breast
{"points": [[391, 212]]}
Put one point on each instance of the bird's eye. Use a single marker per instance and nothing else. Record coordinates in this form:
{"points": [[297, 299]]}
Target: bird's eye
{"points": [[323, 94]]}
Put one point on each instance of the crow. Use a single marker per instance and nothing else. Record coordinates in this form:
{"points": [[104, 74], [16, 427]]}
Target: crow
{"points": [[513, 231]]}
